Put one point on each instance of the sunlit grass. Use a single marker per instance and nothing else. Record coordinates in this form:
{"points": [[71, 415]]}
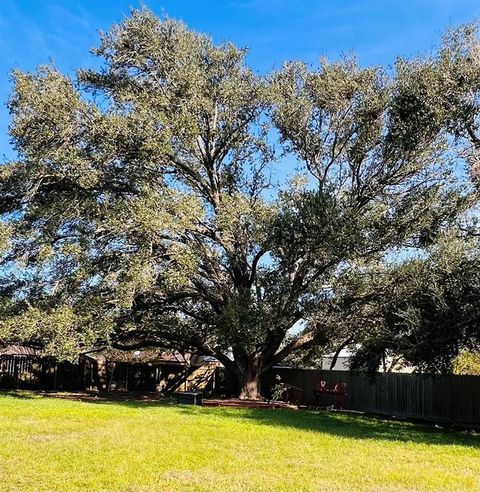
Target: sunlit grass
{"points": [[49, 445]]}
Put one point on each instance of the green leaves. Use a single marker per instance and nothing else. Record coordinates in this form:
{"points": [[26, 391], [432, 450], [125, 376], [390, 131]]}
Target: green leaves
{"points": [[428, 311], [332, 118], [141, 208], [59, 332]]}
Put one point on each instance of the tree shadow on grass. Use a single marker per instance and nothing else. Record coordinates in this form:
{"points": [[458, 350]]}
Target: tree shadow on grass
{"points": [[17, 393], [352, 426], [361, 427], [88, 396], [345, 425]]}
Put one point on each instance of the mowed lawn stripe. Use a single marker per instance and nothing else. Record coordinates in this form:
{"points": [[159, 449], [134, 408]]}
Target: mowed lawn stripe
{"points": [[49, 444]]}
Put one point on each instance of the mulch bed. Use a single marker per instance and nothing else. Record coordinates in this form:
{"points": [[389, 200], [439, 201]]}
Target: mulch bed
{"points": [[103, 396], [236, 403], [149, 397]]}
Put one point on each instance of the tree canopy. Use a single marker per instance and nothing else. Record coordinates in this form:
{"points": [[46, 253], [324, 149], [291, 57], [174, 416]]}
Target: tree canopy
{"points": [[141, 209]]}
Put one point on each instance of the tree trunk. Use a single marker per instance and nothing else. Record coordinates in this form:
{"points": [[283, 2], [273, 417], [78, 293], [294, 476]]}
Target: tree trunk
{"points": [[249, 380]]}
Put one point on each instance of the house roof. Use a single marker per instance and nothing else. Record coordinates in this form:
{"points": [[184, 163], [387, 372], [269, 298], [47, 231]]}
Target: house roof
{"points": [[141, 356], [151, 356], [19, 350]]}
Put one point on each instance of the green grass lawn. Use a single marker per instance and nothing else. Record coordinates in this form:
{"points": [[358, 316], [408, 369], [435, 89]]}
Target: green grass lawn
{"points": [[50, 444]]}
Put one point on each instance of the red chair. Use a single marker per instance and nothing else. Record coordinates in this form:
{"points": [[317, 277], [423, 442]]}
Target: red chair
{"points": [[339, 392], [319, 390]]}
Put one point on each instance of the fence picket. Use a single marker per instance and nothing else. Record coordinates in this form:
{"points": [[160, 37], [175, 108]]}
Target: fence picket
{"points": [[452, 398]]}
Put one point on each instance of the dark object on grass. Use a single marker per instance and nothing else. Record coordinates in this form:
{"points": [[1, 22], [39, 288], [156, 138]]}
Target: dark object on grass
{"points": [[189, 397]]}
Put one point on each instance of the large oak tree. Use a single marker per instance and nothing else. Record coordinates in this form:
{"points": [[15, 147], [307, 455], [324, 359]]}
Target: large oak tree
{"points": [[141, 210]]}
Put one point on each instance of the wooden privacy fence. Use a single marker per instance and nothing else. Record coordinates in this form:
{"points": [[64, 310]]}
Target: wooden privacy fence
{"points": [[452, 399]]}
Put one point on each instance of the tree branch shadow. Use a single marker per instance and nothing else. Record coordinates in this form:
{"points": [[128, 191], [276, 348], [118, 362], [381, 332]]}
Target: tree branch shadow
{"points": [[353, 426], [343, 425]]}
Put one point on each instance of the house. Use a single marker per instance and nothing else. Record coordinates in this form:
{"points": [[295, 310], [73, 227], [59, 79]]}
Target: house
{"points": [[342, 363], [107, 369]]}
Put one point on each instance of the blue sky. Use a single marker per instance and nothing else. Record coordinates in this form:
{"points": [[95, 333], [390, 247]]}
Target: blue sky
{"points": [[63, 31]]}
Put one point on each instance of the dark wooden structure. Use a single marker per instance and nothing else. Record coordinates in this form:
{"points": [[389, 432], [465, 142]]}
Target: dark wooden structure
{"points": [[33, 372], [189, 397]]}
